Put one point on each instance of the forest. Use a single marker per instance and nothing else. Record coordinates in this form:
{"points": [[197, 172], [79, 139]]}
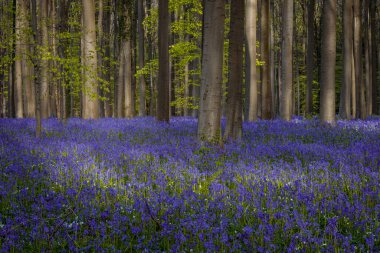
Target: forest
{"points": [[189, 126]]}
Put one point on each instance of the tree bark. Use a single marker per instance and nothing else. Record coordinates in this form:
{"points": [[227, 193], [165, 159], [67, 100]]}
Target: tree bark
{"points": [[374, 28], [310, 55], [163, 110], [19, 54], [266, 92], [360, 105], [209, 129], [287, 61], [127, 66], [142, 83], [234, 86], [90, 93], [250, 26], [345, 97], [328, 57], [44, 80], [367, 60]]}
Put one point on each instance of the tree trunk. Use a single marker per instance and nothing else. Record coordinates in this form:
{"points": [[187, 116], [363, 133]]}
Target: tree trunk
{"points": [[287, 61], [209, 129], [44, 80], [345, 95], [19, 54], [235, 68], [328, 57], [195, 92], [310, 56], [90, 94], [374, 28], [127, 66], [163, 62], [100, 55], [140, 31], [360, 111], [266, 92], [367, 60], [250, 26], [29, 100], [120, 82], [37, 40]]}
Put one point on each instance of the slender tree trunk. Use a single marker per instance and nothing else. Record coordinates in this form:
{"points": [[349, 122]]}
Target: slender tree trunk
{"points": [[266, 92], [127, 66], [90, 94], [328, 54], [44, 80], [345, 96], [54, 98], [140, 31], [360, 105], [374, 29], [37, 40], [106, 44], [20, 30], [128, 111], [367, 60], [120, 82], [287, 61], [163, 62], [353, 78], [196, 88], [100, 63], [234, 86], [186, 111], [310, 56], [209, 128]]}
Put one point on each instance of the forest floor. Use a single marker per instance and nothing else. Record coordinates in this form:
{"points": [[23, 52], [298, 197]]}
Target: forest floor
{"points": [[116, 185]]}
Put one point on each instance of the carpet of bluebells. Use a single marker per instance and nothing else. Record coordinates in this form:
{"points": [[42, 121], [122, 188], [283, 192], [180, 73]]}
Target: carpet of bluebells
{"points": [[116, 185]]}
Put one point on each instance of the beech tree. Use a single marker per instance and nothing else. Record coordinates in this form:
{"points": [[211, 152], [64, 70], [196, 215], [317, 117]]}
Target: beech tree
{"points": [[235, 68], [163, 65], [90, 88], [328, 57], [287, 61], [209, 129], [250, 28], [345, 97], [266, 92]]}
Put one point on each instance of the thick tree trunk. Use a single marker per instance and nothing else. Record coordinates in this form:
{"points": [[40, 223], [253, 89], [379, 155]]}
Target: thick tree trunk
{"points": [[163, 62], [345, 96], [27, 73], [310, 56], [328, 57], [266, 93], [250, 26], [234, 87], [287, 61], [209, 129], [90, 94]]}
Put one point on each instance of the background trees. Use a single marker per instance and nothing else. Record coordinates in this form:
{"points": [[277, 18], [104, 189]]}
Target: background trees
{"points": [[110, 62]]}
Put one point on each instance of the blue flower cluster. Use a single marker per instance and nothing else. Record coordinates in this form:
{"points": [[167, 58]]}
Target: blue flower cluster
{"points": [[116, 185]]}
